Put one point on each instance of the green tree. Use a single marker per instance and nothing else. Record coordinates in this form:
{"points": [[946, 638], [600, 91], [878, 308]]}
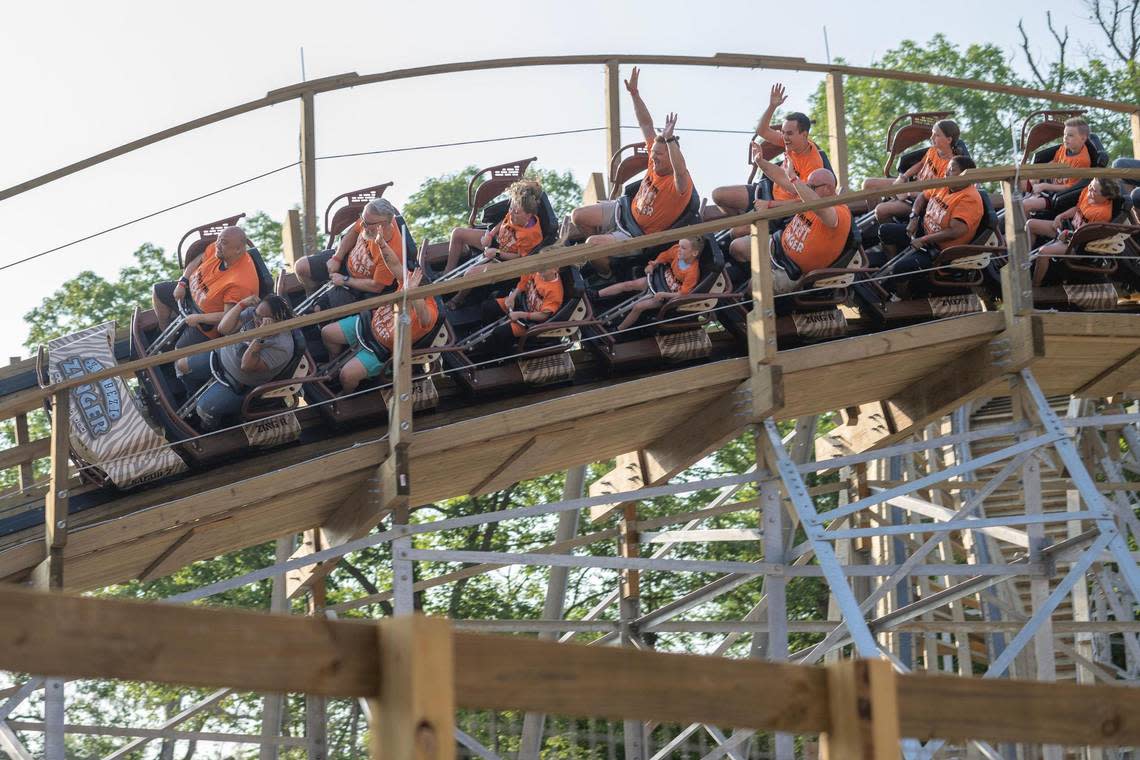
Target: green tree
{"points": [[89, 299], [872, 104], [440, 203]]}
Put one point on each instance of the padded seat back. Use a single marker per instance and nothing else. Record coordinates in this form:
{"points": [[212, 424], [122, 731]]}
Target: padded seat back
{"points": [[482, 190], [912, 157], [300, 366], [574, 307], [712, 280], [691, 214], [907, 131], [207, 234], [350, 212], [264, 279], [1098, 156], [367, 338], [497, 211], [628, 162]]}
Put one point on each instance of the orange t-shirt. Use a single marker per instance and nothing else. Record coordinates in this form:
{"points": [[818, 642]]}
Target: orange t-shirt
{"points": [[811, 244], [804, 164], [538, 295], [679, 280], [519, 239], [943, 206], [212, 287], [365, 260], [658, 203], [383, 325], [1079, 161], [933, 166], [1092, 212]]}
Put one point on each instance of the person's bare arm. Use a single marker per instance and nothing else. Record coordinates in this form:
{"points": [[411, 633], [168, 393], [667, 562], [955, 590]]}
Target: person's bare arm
{"points": [[829, 216], [231, 321], [644, 119], [956, 229], [764, 127], [183, 287], [680, 170], [775, 173], [347, 243]]}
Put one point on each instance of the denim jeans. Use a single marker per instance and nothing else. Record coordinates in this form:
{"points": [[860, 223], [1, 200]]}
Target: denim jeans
{"points": [[219, 403]]}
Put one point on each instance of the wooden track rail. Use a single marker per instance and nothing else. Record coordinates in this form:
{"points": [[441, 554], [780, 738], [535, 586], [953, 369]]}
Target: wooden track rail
{"points": [[313, 87]]}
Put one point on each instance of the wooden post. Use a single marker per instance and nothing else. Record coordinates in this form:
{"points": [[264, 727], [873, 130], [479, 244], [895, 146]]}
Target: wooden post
{"points": [[308, 173], [767, 390], [1016, 286], [395, 477], [27, 477], [292, 240], [49, 574], [413, 717], [613, 115], [1134, 120], [863, 704], [837, 125]]}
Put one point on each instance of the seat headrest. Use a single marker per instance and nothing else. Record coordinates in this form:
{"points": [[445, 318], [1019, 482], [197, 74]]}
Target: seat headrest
{"points": [[1098, 156], [960, 148]]}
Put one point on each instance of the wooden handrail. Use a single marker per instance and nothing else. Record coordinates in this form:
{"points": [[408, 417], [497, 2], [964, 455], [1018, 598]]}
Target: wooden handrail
{"points": [[727, 60], [74, 636], [555, 256]]}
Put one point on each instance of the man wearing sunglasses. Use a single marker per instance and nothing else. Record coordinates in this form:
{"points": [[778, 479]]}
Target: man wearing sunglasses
{"points": [[811, 239]]}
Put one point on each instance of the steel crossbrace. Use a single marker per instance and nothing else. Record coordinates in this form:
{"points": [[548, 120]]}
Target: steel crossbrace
{"points": [[798, 494], [183, 715], [938, 477], [920, 553]]}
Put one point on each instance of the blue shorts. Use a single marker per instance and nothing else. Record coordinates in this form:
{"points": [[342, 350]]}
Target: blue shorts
{"points": [[373, 364]]}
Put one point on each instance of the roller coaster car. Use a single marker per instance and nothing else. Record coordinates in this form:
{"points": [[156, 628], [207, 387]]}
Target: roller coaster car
{"points": [[207, 234], [813, 313], [1090, 282], [1043, 127], [957, 283], [484, 212], [543, 349], [675, 332], [336, 224], [271, 413], [903, 134], [369, 403]]}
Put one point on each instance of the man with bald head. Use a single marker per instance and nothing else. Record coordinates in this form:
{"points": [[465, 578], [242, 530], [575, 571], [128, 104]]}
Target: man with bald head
{"points": [[222, 276], [811, 239]]}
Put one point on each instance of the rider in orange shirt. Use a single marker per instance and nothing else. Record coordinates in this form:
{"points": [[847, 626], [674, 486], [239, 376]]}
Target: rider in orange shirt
{"points": [[661, 199]]}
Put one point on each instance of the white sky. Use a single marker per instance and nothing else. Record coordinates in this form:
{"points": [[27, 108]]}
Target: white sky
{"points": [[84, 77]]}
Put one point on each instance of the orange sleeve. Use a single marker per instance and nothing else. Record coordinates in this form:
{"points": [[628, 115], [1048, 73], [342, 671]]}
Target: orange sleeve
{"points": [[668, 256], [381, 273]]}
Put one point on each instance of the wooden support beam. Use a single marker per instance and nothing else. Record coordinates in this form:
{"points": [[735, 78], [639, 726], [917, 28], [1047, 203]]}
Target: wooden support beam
{"points": [[967, 375], [1016, 286], [595, 189], [837, 126], [413, 716], [49, 573], [1134, 122], [864, 707], [1112, 380], [613, 89], [308, 173], [26, 474], [627, 475], [292, 238], [395, 478], [765, 380], [86, 637]]}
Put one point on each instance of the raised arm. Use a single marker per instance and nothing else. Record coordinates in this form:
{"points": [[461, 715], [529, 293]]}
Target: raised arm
{"points": [[764, 128], [680, 171], [644, 120], [775, 173], [829, 216]]}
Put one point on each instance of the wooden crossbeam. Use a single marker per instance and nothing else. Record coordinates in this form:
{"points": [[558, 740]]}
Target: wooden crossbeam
{"points": [[71, 636]]}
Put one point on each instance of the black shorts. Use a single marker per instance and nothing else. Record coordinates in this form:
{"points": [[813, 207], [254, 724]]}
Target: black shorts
{"points": [[164, 294], [319, 265]]}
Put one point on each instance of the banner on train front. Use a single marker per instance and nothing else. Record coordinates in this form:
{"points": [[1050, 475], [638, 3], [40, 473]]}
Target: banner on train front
{"points": [[108, 428]]}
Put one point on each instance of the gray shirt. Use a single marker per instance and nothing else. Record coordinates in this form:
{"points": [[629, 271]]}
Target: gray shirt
{"points": [[276, 353]]}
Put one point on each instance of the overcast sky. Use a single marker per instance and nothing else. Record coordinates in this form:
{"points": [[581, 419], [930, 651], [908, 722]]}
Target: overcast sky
{"points": [[84, 77]]}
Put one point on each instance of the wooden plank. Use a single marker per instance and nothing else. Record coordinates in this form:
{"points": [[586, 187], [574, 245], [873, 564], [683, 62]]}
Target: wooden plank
{"points": [[612, 94], [694, 438], [964, 377], [1114, 379], [49, 574], [837, 125], [168, 558], [308, 174], [1016, 287], [413, 716], [24, 453], [627, 475], [292, 239], [594, 189], [864, 707], [762, 318], [1008, 710]]}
